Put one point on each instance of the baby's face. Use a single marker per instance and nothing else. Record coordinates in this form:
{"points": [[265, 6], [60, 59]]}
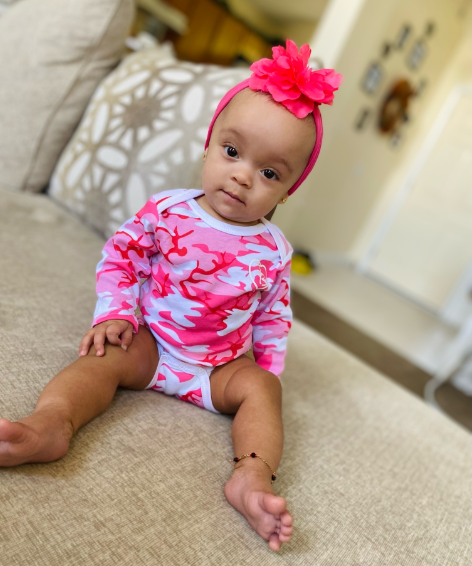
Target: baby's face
{"points": [[257, 151]]}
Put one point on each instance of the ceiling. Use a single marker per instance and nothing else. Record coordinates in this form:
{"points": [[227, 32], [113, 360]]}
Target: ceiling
{"points": [[295, 10]]}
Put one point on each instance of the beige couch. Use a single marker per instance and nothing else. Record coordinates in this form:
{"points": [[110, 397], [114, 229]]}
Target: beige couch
{"points": [[371, 474]]}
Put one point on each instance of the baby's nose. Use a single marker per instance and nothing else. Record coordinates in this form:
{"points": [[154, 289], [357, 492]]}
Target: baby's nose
{"points": [[242, 176]]}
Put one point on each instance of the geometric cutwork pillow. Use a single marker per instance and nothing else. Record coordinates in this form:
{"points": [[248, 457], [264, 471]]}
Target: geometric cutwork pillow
{"points": [[143, 132]]}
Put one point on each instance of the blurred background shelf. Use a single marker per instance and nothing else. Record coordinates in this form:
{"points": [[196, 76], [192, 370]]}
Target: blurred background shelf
{"points": [[228, 33], [202, 31], [398, 324], [386, 331]]}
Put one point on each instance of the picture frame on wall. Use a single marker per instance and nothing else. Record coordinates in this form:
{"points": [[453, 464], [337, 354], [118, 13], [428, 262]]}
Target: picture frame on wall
{"points": [[373, 78], [417, 55], [403, 36]]}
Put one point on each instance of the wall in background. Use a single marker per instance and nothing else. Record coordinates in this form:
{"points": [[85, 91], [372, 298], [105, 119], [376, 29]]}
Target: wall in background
{"points": [[458, 71], [330, 212], [334, 30]]}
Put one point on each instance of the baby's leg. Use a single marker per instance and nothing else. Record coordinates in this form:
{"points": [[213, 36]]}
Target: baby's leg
{"points": [[75, 396], [243, 388]]}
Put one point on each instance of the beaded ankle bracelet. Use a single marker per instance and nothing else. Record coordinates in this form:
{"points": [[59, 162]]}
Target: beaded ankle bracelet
{"points": [[254, 455]]}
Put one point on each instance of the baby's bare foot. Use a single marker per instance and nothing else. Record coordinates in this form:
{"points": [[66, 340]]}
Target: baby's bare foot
{"points": [[249, 491], [41, 437]]}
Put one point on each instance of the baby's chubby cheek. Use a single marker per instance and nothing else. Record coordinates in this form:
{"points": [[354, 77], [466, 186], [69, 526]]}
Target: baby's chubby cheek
{"points": [[212, 177]]}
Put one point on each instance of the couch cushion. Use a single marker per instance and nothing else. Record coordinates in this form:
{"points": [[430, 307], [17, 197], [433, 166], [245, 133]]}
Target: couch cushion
{"points": [[372, 475], [5, 4], [144, 131], [54, 53]]}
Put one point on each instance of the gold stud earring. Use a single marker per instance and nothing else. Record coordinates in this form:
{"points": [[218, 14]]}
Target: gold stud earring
{"points": [[204, 155], [284, 200]]}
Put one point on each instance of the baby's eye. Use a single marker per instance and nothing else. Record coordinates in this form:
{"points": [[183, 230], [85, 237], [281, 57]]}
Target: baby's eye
{"points": [[231, 151], [269, 174]]}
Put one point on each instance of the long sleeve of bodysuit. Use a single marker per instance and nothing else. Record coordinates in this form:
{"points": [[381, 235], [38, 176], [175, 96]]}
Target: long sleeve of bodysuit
{"points": [[126, 258], [271, 324]]}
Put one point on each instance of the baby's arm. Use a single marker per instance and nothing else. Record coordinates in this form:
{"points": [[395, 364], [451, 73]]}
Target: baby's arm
{"points": [[126, 260], [272, 322]]}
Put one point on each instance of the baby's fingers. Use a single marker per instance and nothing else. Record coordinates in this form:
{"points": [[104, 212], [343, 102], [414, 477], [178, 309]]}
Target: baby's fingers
{"points": [[99, 342], [127, 337], [85, 343], [113, 334]]}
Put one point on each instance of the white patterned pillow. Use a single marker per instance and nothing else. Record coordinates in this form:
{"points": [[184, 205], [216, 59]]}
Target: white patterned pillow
{"points": [[143, 132]]}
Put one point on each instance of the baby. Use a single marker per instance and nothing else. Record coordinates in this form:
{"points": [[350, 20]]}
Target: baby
{"points": [[216, 283]]}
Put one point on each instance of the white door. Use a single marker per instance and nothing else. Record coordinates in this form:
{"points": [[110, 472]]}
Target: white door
{"points": [[425, 249]]}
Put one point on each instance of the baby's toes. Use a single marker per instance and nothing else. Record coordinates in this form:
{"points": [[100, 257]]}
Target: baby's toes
{"points": [[285, 531], [286, 519], [274, 542]]}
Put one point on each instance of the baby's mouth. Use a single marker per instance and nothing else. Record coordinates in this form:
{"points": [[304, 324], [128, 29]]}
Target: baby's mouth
{"points": [[234, 197]]}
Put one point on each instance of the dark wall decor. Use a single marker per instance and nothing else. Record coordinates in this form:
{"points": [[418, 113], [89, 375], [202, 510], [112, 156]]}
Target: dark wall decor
{"points": [[403, 36], [417, 54], [364, 118], [391, 114], [430, 29], [373, 78], [393, 111], [386, 50]]}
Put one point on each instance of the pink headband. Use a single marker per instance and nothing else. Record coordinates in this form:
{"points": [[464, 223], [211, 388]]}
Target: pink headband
{"points": [[291, 82]]}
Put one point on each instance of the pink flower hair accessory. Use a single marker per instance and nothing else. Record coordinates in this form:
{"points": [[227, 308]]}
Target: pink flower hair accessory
{"points": [[291, 82]]}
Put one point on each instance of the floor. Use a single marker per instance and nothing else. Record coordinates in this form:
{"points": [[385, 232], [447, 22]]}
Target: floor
{"points": [[385, 331]]}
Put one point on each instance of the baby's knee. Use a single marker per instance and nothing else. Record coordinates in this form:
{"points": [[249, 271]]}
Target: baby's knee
{"points": [[261, 382], [108, 349]]}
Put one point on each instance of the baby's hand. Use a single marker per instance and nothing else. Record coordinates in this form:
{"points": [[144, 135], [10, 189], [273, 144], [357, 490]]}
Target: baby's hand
{"points": [[118, 332]]}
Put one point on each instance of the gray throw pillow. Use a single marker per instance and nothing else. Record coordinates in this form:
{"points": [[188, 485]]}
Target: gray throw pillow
{"points": [[5, 4], [53, 53]]}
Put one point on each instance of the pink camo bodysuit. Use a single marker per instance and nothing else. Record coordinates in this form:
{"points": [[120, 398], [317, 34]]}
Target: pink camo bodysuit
{"points": [[211, 290]]}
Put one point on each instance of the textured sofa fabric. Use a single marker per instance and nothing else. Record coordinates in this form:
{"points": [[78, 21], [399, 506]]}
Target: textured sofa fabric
{"points": [[371, 474], [144, 131], [53, 54]]}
